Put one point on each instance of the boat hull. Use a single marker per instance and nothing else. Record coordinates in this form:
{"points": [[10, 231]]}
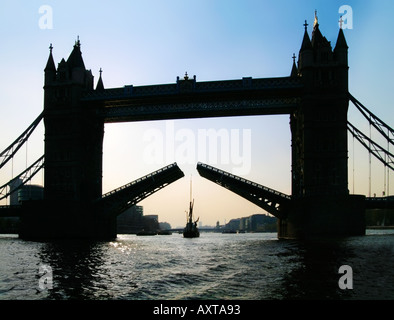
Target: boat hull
{"points": [[146, 233], [191, 234], [191, 231]]}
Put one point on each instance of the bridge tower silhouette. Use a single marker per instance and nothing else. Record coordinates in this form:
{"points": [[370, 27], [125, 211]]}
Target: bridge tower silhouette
{"points": [[315, 95], [73, 156], [321, 200]]}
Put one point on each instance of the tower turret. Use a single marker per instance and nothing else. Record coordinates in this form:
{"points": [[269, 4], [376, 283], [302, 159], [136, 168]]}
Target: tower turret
{"points": [[100, 84], [294, 70], [73, 134], [341, 49], [341, 58], [76, 68], [320, 196], [305, 56], [50, 69], [319, 130], [76, 65]]}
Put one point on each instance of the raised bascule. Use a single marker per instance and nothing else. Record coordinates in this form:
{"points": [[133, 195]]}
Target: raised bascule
{"points": [[315, 96]]}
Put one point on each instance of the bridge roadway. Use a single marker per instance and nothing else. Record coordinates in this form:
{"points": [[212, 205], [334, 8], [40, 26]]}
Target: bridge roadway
{"points": [[10, 211], [188, 98], [118, 200], [274, 202], [379, 202]]}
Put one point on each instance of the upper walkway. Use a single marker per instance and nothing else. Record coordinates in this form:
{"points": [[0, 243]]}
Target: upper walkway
{"points": [[188, 98]]}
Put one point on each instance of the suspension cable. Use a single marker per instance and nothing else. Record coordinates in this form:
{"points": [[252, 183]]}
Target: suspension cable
{"points": [[388, 171], [370, 159], [379, 124], [12, 149], [387, 132], [354, 156], [372, 146], [25, 176]]}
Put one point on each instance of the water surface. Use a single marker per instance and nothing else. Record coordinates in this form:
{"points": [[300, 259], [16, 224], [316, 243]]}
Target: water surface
{"points": [[246, 266]]}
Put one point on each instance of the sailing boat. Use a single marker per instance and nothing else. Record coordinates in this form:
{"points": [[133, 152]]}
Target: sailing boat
{"points": [[191, 230]]}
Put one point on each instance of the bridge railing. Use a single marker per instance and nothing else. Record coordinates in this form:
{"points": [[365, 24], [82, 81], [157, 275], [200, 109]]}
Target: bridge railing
{"points": [[10, 211], [246, 83], [254, 184], [150, 175], [379, 202], [117, 201]]}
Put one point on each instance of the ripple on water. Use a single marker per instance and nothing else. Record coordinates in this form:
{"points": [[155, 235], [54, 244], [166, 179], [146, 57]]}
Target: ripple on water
{"points": [[214, 266]]}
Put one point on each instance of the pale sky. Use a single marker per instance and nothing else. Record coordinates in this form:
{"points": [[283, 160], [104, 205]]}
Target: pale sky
{"points": [[152, 42]]}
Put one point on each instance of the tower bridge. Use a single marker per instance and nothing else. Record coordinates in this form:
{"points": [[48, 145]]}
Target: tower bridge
{"points": [[315, 96]]}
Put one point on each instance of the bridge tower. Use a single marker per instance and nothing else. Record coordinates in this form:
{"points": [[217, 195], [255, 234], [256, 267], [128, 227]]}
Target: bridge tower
{"points": [[73, 155], [321, 200]]}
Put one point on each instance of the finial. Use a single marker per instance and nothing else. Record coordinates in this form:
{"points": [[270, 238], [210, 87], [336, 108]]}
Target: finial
{"points": [[50, 48], [294, 57], [316, 20], [101, 71], [305, 25], [340, 22], [78, 43], [186, 76]]}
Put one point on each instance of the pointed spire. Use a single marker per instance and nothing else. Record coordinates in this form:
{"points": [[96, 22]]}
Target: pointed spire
{"points": [[316, 34], [341, 41], [294, 70], [75, 58], [305, 55], [318, 40], [100, 84], [50, 63], [306, 42], [341, 48]]}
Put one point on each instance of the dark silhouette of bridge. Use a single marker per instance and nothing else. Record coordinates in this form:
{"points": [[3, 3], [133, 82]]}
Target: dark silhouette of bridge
{"points": [[315, 96]]}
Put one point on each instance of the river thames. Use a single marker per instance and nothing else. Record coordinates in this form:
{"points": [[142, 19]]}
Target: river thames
{"points": [[250, 266]]}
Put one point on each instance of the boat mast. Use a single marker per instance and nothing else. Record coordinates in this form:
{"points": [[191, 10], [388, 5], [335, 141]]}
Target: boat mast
{"points": [[190, 188], [191, 204]]}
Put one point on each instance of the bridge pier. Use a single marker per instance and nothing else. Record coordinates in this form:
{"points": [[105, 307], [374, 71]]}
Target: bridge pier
{"points": [[324, 216], [44, 221]]}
